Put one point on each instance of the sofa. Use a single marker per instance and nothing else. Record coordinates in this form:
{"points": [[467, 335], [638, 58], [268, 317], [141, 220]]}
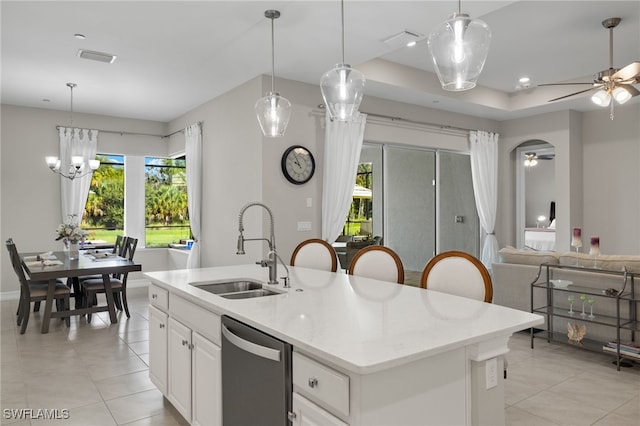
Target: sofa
{"points": [[519, 268]]}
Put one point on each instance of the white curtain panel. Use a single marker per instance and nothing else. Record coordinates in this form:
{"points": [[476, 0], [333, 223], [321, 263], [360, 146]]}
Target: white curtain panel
{"points": [[193, 152], [342, 145], [484, 173], [74, 193]]}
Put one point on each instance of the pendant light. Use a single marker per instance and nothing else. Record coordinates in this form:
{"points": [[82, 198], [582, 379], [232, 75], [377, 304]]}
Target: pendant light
{"points": [[273, 110], [458, 50], [77, 167], [342, 87]]}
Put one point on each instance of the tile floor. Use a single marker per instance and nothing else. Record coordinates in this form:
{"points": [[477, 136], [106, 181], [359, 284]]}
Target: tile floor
{"points": [[99, 373]]}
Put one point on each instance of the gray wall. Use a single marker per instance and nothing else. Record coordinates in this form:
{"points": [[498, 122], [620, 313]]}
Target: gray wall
{"points": [[241, 166], [597, 180]]}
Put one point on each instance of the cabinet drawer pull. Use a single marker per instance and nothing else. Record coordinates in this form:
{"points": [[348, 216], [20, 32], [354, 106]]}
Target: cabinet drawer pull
{"points": [[291, 416], [313, 382], [184, 342], [154, 296], [161, 325]]}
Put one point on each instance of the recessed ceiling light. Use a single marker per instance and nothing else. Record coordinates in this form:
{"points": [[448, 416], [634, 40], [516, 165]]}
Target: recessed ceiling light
{"points": [[80, 36], [403, 38], [524, 80]]}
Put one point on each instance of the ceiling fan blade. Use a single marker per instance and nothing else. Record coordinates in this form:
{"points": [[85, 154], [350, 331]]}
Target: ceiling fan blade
{"points": [[629, 72], [632, 90], [563, 84], [572, 94]]}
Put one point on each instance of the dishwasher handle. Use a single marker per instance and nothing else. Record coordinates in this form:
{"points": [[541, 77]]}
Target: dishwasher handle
{"points": [[245, 345]]}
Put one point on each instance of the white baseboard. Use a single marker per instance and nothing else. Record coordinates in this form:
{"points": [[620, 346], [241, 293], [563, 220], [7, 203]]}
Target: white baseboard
{"points": [[14, 295], [9, 295]]}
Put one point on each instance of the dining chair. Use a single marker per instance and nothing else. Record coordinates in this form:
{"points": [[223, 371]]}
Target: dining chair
{"points": [[459, 273], [315, 254], [34, 291], [377, 262], [91, 287]]}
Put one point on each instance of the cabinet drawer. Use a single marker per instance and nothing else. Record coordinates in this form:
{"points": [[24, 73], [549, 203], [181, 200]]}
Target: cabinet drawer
{"points": [[158, 297], [321, 383], [197, 318]]}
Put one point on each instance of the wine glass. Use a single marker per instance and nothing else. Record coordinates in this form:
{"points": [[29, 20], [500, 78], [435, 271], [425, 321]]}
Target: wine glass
{"points": [[583, 298], [571, 299], [591, 301]]}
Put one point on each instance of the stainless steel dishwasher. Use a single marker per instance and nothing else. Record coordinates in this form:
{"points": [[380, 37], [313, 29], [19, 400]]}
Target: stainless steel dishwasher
{"points": [[256, 376]]}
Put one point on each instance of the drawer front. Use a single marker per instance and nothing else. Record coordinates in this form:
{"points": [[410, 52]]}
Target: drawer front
{"points": [[158, 297], [197, 318], [321, 383]]}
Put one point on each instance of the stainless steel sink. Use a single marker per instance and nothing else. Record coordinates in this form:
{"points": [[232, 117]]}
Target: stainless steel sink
{"points": [[249, 294], [235, 289]]}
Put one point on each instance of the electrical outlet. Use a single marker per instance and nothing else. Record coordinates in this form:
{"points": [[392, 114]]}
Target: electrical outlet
{"points": [[491, 372]]}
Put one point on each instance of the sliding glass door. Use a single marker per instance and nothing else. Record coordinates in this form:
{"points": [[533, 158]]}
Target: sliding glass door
{"points": [[409, 204], [423, 202], [458, 223]]}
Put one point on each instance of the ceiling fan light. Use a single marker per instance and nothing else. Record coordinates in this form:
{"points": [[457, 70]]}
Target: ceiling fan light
{"points": [[273, 112], [621, 94], [459, 48], [342, 89], [601, 98]]}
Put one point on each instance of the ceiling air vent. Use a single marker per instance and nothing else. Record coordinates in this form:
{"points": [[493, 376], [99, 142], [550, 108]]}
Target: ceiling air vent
{"points": [[96, 56]]}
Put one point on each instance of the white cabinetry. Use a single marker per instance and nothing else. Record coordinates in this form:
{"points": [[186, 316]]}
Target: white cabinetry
{"points": [[207, 389], [158, 321], [306, 413], [180, 368], [185, 356]]}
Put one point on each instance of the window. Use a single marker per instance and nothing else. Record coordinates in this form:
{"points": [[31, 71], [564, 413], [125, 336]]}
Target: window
{"points": [[360, 214], [104, 213], [167, 220]]}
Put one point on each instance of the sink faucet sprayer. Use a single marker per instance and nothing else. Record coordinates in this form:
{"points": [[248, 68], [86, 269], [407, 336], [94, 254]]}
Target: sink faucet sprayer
{"points": [[272, 256]]}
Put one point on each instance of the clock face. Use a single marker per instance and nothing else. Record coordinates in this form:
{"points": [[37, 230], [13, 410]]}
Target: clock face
{"points": [[298, 164]]}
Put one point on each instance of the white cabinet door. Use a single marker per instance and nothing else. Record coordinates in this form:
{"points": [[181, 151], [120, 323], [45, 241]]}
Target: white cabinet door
{"points": [[309, 414], [207, 382], [158, 348], [180, 368]]}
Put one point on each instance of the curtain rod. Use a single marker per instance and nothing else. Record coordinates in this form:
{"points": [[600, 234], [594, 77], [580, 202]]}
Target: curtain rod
{"points": [[121, 132], [406, 120]]}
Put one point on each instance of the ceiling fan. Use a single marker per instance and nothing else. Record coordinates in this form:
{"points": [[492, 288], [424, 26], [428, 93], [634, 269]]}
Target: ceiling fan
{"points": [[610, 83], [531, 158]]}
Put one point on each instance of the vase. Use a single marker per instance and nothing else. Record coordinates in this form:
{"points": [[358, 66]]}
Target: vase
{"points": [[74, 252]]}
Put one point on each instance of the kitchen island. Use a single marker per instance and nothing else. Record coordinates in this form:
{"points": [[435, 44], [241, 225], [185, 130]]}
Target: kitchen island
{"points": [[385, 353]]}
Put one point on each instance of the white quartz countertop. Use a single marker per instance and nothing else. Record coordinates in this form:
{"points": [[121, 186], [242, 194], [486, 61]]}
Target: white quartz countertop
{"points": [[357, 323]]}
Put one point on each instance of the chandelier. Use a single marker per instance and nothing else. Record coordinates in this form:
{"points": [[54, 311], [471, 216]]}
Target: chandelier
{"points": [[78, 167]]}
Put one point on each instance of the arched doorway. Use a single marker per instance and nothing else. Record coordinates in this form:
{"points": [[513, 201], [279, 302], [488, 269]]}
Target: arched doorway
{"points": [[535, 194]]}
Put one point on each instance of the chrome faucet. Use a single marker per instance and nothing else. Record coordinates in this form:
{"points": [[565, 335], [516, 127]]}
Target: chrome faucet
{"points": [[272, 256]]}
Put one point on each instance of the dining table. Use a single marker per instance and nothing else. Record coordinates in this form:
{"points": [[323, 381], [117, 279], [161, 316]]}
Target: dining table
{"points": [[52, 266]]}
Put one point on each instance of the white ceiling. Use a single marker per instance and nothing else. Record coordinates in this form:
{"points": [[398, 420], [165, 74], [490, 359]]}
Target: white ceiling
{"points": [[176, 55]]}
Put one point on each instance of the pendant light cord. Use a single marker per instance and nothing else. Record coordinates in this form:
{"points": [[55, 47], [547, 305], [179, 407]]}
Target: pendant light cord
{"points": [[342, 13], [273, 57]]}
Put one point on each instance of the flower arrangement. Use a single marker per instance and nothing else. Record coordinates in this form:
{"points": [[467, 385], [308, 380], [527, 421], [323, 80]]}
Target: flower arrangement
{"points": [[70, 231]]}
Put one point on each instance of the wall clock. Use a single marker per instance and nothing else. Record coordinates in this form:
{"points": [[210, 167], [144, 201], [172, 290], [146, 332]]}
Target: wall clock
{"points": [[298, 164]]}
